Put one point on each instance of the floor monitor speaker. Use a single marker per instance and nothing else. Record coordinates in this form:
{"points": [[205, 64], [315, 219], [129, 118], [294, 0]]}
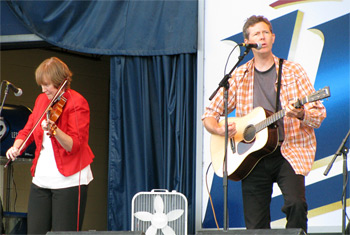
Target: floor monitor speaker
{"points": [[254, 232]]}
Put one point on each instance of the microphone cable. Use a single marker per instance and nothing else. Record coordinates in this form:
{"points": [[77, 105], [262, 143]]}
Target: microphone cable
{"points": [[210, 198], [79, 188], [228, 58]]}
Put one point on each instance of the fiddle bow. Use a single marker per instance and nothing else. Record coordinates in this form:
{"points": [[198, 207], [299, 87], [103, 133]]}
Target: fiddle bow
{"points": [[36, 124]]}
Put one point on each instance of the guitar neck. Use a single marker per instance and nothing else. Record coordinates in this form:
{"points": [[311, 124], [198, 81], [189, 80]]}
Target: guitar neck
{"points": [[268, 121], [318, 95]]}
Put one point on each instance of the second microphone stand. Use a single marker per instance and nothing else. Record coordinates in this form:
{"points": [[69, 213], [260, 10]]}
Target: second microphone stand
{"points": [[225, 85], [342, 150]]}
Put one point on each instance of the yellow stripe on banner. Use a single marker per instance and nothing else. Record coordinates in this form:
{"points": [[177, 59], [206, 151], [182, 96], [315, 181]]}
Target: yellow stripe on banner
{"points": [[324, 162], [296, 35], [327, 208], [285, 3], [314, 212]]}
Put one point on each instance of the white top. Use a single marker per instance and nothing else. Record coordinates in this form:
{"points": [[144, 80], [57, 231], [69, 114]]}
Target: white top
{"points": [[47, 174]]}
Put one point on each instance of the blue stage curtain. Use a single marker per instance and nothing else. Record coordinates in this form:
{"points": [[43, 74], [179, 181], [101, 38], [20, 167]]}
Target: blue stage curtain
{"points": [[139, 28], [153, 46], [152, 131]]}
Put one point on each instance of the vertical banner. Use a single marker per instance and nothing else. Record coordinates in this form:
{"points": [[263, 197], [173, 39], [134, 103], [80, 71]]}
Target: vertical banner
{"points": [[316, 35]]}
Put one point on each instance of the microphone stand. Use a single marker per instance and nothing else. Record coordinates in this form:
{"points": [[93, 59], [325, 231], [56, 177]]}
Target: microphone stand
{"points": [[3, 101], [342, 150], [9, 171], [225, 84]]}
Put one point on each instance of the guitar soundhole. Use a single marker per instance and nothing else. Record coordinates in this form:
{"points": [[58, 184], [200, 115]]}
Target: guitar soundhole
{"points": [[249, 133]]}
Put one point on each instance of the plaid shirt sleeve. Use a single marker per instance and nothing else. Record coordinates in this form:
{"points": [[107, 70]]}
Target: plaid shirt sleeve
{"points": [[299, 146], [240, 94]]}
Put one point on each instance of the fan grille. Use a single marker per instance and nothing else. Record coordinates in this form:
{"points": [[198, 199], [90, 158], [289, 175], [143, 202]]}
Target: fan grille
{"points": [[144, 201]]}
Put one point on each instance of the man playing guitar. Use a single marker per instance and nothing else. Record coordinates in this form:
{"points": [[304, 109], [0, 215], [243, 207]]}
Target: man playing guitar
{"points": [[253, 85]]}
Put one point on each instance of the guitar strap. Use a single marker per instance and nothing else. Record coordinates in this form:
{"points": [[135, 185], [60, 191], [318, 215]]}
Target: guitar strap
{"points": [[279, 84]]}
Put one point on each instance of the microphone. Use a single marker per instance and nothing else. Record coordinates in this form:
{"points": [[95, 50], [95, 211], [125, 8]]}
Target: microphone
{"points": [[251, 45], [18, 91]]}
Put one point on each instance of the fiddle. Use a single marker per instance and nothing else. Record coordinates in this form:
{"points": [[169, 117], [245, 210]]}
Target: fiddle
{"points": [[58, 93], [54, 113]]}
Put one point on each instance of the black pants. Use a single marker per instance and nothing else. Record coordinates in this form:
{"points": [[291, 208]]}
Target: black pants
{"points": [[55, 209], [257, 191]]}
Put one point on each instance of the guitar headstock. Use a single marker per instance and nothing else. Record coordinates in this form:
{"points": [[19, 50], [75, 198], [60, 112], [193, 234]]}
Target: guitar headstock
{"points": [[318, 95]]}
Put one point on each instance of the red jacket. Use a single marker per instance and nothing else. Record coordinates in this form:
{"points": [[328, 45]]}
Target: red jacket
{"points": [[74, 121]]}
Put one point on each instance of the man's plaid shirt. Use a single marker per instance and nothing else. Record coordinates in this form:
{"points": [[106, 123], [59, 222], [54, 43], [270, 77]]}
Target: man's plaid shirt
{"points": [[299, 145]]}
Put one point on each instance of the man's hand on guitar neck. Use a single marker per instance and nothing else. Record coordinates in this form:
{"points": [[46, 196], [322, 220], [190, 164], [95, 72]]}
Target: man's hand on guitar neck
{"points": [[214, 127], [291, 111]]}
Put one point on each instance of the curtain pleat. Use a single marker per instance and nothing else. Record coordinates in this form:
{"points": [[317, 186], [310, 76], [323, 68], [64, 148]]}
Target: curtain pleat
{"points": [[128, 27]]}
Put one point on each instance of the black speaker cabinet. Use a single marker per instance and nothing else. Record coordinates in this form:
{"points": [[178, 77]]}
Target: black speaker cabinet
{"points": [[14, 118], [254, 232], [97, 232]]}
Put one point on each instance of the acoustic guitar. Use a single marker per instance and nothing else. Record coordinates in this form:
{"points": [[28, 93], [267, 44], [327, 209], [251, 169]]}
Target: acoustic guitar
{"points": [[256, 137]]}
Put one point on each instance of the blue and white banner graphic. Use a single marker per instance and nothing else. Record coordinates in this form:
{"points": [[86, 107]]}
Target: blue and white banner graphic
{"points": [[316, 35]]}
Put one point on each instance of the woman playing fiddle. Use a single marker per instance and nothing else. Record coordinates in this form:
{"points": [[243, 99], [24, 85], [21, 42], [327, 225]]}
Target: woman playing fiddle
{"points": [[61, 167]]}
